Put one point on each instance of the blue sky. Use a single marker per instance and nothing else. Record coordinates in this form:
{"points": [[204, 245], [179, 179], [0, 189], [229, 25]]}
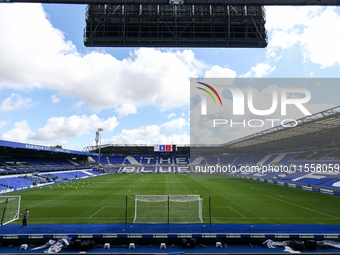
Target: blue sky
{"points": [[54, 90]]}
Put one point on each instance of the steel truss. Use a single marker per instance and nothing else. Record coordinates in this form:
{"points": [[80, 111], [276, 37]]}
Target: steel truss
{"points": [[136, 25], [189, 2]]}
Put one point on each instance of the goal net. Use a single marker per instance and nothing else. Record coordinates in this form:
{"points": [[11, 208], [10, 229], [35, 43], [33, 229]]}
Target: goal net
{"points": [[9, 209], [168, 209]]}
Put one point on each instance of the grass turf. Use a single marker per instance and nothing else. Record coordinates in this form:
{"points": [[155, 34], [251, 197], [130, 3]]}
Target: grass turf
{"points": [[102, 200]]}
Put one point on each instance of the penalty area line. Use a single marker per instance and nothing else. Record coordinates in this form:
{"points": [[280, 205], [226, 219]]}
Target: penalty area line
{"points": [[236, 211], [97, 212]]}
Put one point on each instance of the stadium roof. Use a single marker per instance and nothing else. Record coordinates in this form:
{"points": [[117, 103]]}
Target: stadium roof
{"points": [[315, 129], [131, 148], [7, 147], [312, 130], [232, 2]]}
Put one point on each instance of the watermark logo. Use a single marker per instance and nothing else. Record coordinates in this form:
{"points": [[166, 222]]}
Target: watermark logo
{"points": [[204, 98], [279, 99], [249, 103]]}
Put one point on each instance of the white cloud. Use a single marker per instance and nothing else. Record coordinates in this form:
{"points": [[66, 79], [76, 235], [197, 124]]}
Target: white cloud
{"points": [[321, 41], [283, 39], [55, 99], [23, 134], [15, 102], [45, 60], [126, 109], [63, 143], [153, 134], [259, 70], [171, 115], [309, 27], [174, 124], [58, 128], [287, 17], [19, 133], [203, 136], [177, 139], [220, 72], [78, 105], [3, 123], [61, 127], [140, 135]]}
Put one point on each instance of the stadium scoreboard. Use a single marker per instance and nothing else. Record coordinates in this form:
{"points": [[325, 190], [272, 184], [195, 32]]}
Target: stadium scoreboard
{"points": [[164, 148]]}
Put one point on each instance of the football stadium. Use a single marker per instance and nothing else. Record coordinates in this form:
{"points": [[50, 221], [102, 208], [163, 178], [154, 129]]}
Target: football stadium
{"points": [[273, 191], [142, 198]]}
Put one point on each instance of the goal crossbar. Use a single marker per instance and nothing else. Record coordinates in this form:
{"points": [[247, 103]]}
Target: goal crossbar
{"points": [[168, 209]]}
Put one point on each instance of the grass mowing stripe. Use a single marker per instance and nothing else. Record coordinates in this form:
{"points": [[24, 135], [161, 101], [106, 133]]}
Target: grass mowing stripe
{"points": [[219, 183], [252, 213], [35, 205], [302, 207], [224, 217], [102, 200]]}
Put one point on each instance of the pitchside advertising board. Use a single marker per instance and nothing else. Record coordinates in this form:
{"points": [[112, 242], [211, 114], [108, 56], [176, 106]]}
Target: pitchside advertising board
{"points": [[223, 110]]}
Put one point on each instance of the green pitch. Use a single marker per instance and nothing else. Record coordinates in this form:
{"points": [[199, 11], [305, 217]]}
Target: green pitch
{"points": [[102, 200]]}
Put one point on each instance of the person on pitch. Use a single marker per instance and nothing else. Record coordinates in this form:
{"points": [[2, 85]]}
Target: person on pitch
{"points": [[24, 220]]}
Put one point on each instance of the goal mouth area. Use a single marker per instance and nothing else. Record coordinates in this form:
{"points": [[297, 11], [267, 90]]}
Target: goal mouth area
{"points": [[166, 209]]}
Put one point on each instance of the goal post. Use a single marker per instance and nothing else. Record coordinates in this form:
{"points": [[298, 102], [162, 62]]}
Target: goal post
{"points": [[168, 209], [9, 209]]}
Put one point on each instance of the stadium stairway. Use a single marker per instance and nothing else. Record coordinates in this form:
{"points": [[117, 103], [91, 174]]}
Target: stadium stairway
{"points": [[132, 160], [232, 163], [279, 157], [270, 160], [290, 175], [333, 180], [198, 160], [261, 162], [73, 162]]}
